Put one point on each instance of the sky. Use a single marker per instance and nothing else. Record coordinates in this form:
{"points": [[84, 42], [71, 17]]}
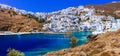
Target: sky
{"points": [[50, 5]]}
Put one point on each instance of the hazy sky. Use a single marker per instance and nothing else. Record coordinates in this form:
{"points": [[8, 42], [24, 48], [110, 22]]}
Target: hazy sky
{"points": [[50, 5]]}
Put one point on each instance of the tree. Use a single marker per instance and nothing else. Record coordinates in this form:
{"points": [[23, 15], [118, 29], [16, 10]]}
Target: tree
{"points": [[73, 42], [14, 13], [41, 20], [13, 52]]}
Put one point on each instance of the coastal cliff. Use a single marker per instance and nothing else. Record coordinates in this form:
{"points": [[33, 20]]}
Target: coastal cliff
{"points": [[107, 44]]}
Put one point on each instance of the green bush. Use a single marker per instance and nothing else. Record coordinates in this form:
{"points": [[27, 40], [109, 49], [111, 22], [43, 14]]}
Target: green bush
{"points": [[14, 13], [41, 20], [29, 16], [73, 42], [13, 52]]}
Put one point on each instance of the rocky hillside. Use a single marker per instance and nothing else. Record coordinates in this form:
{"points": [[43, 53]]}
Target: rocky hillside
{"points": [[13, 21], [112, 9], [107, 44], [81, 18], [84, 18]]}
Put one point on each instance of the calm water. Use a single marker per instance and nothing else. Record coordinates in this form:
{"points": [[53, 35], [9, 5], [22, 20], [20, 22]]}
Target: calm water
{"points": [[38, 43]]}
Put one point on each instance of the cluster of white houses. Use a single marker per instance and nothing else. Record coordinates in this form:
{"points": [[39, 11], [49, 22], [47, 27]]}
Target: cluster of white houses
{"points": [[80, 19], [73, 18]]}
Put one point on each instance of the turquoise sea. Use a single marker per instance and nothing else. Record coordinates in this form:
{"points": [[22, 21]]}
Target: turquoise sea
{"points": [[38, 43]]}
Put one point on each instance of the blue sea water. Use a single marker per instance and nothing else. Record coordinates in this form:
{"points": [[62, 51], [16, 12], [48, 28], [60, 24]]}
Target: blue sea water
{"points": [[38, 43]]}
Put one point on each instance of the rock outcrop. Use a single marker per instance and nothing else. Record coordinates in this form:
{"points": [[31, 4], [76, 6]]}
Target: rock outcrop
{"points": [[92, 36], [107, 44]]}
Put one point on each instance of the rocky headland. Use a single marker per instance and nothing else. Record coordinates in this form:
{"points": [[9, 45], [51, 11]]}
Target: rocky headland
{"points": [[107, 44]]}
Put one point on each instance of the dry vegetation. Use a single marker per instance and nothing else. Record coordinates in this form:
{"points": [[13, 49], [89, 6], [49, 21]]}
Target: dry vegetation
{"points": [[107, 44], [110, 9], [12, 21]]}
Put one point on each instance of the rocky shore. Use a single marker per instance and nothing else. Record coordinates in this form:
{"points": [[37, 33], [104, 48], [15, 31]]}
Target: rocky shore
{"points": [[107, 44]]}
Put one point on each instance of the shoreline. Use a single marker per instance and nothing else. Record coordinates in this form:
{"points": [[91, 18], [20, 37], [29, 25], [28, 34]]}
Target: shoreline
{"points": [[20, 33]]}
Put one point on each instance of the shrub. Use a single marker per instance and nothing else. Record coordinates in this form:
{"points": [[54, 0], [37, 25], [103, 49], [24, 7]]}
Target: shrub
{"points": [[30, 16], [41, 20], [13, 52], [14, 13], [73, 41], [2, 10]]}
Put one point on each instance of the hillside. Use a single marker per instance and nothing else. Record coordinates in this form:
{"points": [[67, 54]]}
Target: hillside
{"points": [[84, 18], [14, 22], [81, 18], [109, 9], [107, 44]]}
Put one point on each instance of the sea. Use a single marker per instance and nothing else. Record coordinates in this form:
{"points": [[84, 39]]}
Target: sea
{"points": [[38, 44]]}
